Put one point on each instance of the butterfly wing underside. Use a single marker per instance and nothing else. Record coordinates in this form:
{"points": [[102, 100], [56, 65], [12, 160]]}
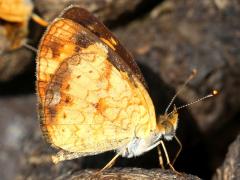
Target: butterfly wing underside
{"points": [[89, 101], [90, 22]]}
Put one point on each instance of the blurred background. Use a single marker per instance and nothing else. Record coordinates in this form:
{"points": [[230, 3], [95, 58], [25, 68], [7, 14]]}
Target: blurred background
{"points": [[168, 38]]}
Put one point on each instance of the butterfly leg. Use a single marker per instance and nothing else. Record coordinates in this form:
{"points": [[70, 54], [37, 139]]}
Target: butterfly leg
{"points": [[111, 163], [160, 157], [179, 150], [167, 157]]}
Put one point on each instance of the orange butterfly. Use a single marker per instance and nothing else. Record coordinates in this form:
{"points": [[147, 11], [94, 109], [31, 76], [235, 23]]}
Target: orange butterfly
{"points": [[92, 95]]}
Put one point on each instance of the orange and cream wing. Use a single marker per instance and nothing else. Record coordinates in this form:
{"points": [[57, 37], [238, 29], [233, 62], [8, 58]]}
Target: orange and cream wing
{"points": [[88, 100], [91, 23]]}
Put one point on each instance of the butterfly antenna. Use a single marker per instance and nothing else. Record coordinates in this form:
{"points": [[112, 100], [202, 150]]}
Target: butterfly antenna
{"points": [[214, 93], [192, 75]]}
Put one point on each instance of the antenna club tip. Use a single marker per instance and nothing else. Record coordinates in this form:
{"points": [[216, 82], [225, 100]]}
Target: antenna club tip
{"points": [[215, 92]]}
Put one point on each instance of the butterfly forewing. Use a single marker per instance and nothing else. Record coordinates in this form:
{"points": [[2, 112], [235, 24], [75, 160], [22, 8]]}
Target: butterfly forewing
{"points": [[90, 22], [86, 103]]}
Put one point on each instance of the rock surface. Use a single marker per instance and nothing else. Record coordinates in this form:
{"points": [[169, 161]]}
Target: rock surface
{"points": [[168, 39], [230, 168]]}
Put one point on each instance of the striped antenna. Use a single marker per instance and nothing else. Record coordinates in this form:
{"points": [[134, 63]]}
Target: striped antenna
{"points": [[214, 93], [191, 76]]}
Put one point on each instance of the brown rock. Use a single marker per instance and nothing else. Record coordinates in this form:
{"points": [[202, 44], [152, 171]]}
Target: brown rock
{"points": [[169, 41], [230, 169], [128, 173], [179, 36], [14, 62], [104, 9]]}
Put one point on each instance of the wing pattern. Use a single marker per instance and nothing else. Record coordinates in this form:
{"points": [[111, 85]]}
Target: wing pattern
{"points": [[86, 103]]}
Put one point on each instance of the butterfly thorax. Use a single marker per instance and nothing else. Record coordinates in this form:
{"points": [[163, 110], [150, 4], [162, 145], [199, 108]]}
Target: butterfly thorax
{"points": [[137, 146]]}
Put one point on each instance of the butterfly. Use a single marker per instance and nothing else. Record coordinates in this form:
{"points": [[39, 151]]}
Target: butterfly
{"points": [[92, 95]]}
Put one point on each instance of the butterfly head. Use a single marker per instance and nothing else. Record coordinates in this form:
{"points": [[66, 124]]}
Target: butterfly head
{"points": [[167, 124]]}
